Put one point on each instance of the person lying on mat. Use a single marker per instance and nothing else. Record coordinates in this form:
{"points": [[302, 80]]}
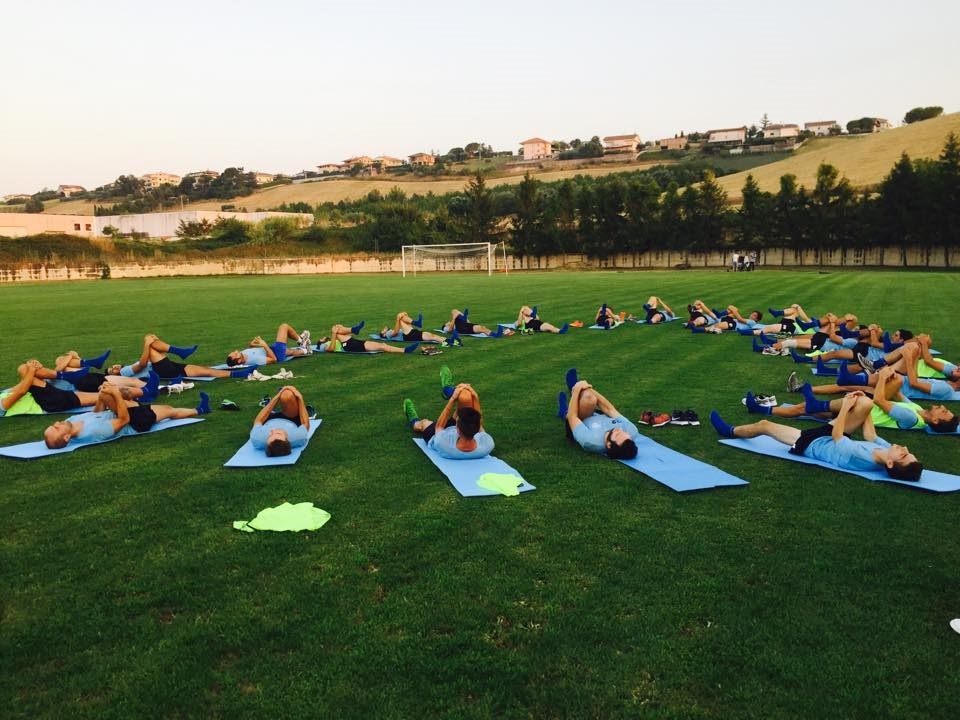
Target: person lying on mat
{"points": [[408, 329], [154, 357], [459, 325], [283, 423], [342, 340], [33, 395], [657, 310], [892, 409], [593, 422], [458, 433], [528, 319], [258, 352], [111, 414], [607, 317], [831, 443], [826, 338], [700, 315]]}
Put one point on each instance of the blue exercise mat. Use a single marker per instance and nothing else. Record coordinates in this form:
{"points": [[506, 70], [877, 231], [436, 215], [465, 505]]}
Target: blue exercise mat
{"points": [[667, 319], [677, 471], [382, 338], [476, 335], [601, 327], [929, 480], [465, 474], [33, 450], [249, 456]]}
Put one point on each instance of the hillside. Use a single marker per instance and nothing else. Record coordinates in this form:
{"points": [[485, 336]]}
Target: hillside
{"points": [[863, 159]]}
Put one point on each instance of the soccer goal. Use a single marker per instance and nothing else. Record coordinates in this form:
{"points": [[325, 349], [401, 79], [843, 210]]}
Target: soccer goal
{"points": [[452, 257]]}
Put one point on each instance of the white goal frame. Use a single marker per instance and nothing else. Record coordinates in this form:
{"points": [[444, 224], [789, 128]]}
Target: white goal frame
{"points": [[411, 251]]}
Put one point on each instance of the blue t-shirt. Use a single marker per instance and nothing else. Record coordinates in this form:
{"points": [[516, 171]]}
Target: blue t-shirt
{"points": [[255, 356], [127, 371], [296, 434], [591, 432], [97, 426], [846, 454], [939, 389], [444, 443]]}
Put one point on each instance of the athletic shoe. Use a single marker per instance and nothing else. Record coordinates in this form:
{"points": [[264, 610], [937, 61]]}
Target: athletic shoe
{"points": [[305, 341], [660, 419], [264, 401], [577, 323], [678, 418], [410, 411], [646, 418], [760, 399], [866, 363], [769, 350], [229, 405], [692, 418], [177, 388], [793, 383], [446, 382], [431, 350]]}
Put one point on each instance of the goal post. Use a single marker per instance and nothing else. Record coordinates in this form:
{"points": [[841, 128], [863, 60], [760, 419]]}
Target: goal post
{"points": [[449, 257]]}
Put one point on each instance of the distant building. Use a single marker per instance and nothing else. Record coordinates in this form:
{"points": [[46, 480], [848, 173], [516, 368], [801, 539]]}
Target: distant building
{"points": [[781, 131], [822, 127], [736, 136], [422, 159], [361, 160], [674, 143], [330, 168], [535, 149], [389, 162], [621, 144], [18, 197], [261, 178], [881, 124], [209, 174], [68, 190], [155, 180]]}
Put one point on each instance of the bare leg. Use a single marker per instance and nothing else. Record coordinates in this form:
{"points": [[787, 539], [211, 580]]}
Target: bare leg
{"points": [[782, 433], [165, 412], [286, 332]]}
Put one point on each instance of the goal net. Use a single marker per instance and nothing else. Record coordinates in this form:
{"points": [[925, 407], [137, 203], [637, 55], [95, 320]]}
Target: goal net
{"points": [[445, 258]]}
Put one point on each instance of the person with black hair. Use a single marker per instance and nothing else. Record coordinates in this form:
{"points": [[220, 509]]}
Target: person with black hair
{"points": [[282, 424], [458, 433], [594, 423], [832, 443]]}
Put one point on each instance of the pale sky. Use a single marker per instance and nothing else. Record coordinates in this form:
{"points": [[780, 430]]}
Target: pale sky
{"points": [[94, 90]]}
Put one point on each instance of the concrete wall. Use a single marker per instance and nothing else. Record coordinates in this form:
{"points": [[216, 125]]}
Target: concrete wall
{"points": [[362, 263]]}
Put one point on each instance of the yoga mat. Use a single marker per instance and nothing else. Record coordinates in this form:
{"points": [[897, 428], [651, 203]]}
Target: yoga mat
{"points": [[612, 327], [249, 456], [33, 450], [465, 475], [675, 470], [381, 338], [929, 480], [476, 335], [667, 319]]}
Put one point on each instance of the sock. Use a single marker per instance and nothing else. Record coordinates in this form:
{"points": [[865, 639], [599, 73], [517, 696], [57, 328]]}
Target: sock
{"points": [[563, 330], [822, 368], [571, 378], [454, 339], [698, 329], [845, 377], [242, 372], [877, 364], [562, 405], [722, 428], [498, 332], [358, 327], [446, 381], [410, 412], [775, 313], [151, 389], [812, 405], [412, 347], [419, 321], [754, 407], [533, 311], [466, 311], [204, 407], [71, 375], [96, 362], [797, 357], [184, 352], [757, 345], [806, 325], [766, 339]]}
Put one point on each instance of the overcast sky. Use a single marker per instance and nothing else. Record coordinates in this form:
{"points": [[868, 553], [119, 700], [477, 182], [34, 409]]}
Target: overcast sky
{"points": [[93, 90]]}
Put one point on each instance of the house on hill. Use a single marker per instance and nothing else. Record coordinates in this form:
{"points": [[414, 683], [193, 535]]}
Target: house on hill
{"points": [[330, 168], [535, 149], [822, 127], [208, 174], [68, 190], [422, 159], [674, 143], [154, 180], [388, 162], [781, 131], [730, 136], [363, 161], [881, 124], [262, 178], [621, 144]]}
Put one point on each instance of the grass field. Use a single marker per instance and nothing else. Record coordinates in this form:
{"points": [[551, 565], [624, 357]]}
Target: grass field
{"points": [[807, 594]]}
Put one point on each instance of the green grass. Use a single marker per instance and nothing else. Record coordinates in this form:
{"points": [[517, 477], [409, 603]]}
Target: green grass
{"points": [[808, 593]]}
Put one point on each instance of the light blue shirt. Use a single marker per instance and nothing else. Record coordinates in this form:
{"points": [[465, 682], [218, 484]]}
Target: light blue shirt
{"points": [[591, 432], [846, 454], [444, 443], [296, 434]]}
